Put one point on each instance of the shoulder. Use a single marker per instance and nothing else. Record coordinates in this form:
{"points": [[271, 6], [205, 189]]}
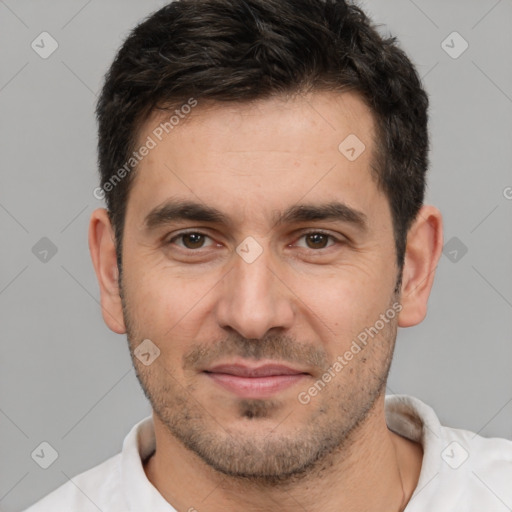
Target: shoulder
{"points": [[111, 485], [96, 489], [461, 470], [482, 466]]}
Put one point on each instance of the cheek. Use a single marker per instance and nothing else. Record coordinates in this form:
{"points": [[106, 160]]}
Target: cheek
{"points": [[350, 295], [338, 307], [168, 306]]}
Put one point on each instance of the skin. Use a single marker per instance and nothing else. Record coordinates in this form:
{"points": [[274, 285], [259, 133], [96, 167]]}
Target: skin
{"points": [[301, 302]]}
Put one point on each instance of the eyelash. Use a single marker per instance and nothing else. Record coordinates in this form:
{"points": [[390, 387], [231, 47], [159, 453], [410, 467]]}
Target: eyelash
{"points": [[336, 240]]}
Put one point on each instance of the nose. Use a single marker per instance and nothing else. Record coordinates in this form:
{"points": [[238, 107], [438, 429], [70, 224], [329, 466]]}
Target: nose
{"points": [[255, 297]]}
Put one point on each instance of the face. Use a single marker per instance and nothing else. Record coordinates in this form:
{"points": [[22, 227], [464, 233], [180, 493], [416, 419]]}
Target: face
{"points": [[258, 294]]}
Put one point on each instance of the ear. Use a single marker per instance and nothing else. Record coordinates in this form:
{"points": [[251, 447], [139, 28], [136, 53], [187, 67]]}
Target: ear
{"points": [[103, 254], [424, 248]]}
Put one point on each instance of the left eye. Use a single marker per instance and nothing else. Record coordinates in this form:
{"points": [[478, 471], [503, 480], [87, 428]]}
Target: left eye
{"points": [[317, 239], [195, 240]]}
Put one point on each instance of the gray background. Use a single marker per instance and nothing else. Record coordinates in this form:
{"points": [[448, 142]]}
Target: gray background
{"points": [[66, 379]]}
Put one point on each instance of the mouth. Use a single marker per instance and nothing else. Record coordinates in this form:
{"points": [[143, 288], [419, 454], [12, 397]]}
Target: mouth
{"points": [[255, 381]]}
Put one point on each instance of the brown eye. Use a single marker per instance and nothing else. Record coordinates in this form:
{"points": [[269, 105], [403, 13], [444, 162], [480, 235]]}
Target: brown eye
{"points": [[191, 240], [317, 240]]}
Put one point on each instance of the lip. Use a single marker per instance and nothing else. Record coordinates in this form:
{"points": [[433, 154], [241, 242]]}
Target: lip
{"points": [[265, 370], [254, 381]]}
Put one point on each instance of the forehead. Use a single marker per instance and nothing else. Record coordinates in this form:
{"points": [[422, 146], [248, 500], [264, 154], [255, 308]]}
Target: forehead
{"points": [[322, 111], [261, 155]]}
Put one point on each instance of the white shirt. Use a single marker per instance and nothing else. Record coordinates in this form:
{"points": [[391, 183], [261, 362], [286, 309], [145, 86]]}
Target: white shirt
{"points": [[461, 471]]}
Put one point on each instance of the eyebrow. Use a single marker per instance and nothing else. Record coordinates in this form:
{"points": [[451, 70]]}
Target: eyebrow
{"points": [[180, 210]]}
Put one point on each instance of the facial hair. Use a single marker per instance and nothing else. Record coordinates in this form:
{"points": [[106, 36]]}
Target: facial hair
{"points": [[282, 455]]}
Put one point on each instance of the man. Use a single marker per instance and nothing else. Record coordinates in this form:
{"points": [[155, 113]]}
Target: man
{"points": [[263, 164]]}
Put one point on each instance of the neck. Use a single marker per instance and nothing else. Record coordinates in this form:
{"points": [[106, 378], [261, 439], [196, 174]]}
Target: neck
{"points": [[374, 470]]}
